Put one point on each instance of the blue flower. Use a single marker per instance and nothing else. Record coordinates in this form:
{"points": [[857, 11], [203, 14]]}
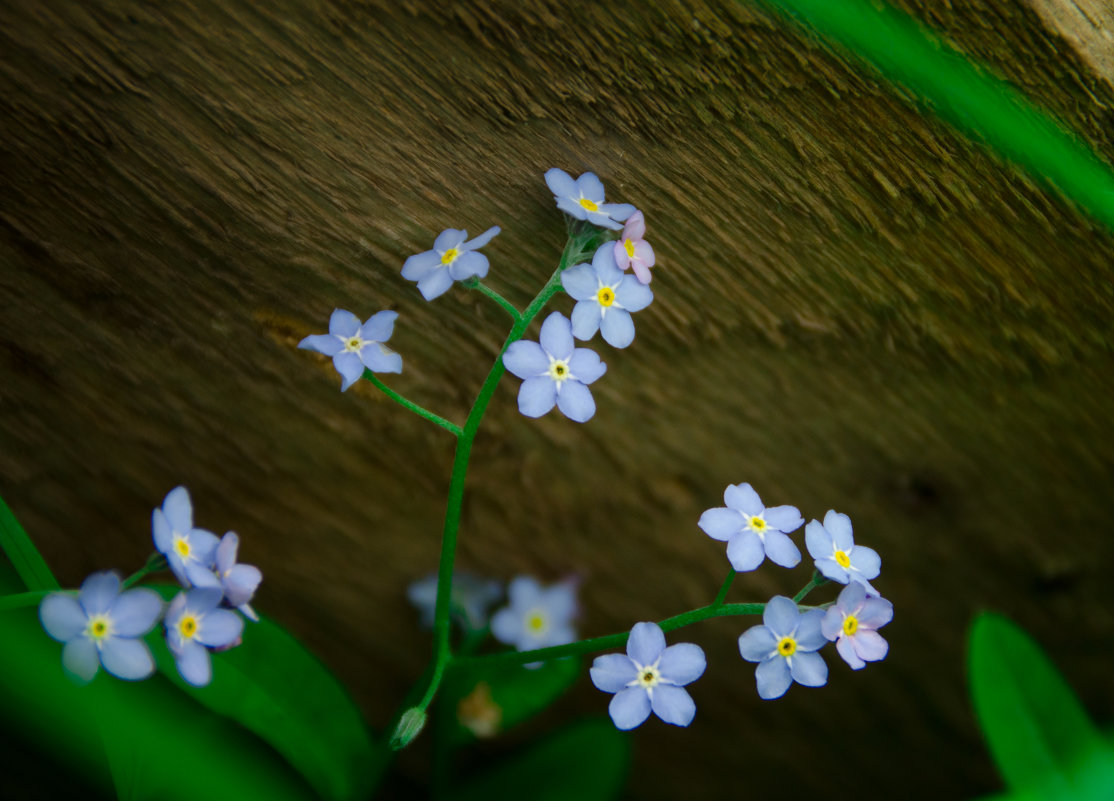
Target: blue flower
{"points": [[853, 623], [536, 616], [554, 373], [583, 199], [751, 531], [452, 259], [237, 582], [102, 626], [649, 677], [837, 557], [189, 551], [471, 597], [785, 648], [605, 298], [354, 347], [194, 624]]}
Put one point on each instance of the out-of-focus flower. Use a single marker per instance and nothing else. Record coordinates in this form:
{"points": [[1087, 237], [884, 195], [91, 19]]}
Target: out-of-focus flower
{"points": [[189, 551], [536, 616], [471, 597], [194, 624]]}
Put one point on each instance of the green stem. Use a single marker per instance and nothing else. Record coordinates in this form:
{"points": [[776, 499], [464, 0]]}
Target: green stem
{"points": [[22, 599], [421, 411], [813, 583], [722, 595], [155, 563], [508, 307]]}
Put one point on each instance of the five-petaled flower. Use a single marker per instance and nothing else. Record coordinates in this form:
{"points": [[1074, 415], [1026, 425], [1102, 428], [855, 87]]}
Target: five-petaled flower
{"points": [[605, 298], [194, 624], [354, 346], [584, 199], [452, 259], [536, 616], [470, 599], [102, 626], [189, 551], [553, 372], [649, 677], [832, 546], [853, 623], [237, 582], [632, 251], [753, 532], [785, 647]]}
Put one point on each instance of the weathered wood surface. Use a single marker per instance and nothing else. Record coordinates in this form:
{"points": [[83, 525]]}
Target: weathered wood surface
{"points": [[856, 308]]}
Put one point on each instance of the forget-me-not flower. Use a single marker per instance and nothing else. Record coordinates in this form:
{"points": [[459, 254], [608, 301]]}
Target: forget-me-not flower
{"points": [[237, 582], [649, 677], [632, 251], [452, 259], [354, 346], [832, 546], [605, 298], [194, 624], [785, 648], [584, 199], [753, 532], [554, 372], [103, 626], [536, 616], [189, 551], [471, 597], [853, 623]]}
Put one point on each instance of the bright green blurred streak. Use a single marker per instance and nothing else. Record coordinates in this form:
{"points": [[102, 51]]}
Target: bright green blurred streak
{"points": [[982, 106]]}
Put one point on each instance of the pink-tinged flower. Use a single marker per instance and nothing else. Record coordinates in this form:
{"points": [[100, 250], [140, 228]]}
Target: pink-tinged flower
{"points": [[853, 623], [633, 251]]}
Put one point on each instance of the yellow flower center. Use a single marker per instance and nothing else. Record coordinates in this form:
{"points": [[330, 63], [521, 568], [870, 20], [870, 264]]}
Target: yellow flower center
{"points": [[842, 559], [99, 627], [628, 245], [449, 256], [188, 626], [558, 370], [353, 344], [787, 646], [536, 622], [648, 677], [589, 204], [758, 525], [182, 546], [606, 296], [850, 625]]}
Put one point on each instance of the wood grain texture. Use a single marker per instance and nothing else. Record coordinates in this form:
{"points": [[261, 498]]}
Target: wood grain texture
{"points": [[855, 308]]}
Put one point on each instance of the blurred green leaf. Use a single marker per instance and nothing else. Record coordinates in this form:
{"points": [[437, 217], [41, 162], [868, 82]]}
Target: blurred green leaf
{"points": [[24, 557], [587, 761], [274, 687], [1036, 729], [485, 701]]}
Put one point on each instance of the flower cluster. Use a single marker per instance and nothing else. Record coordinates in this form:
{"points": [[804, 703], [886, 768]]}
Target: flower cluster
{"points": [[104, 624]]}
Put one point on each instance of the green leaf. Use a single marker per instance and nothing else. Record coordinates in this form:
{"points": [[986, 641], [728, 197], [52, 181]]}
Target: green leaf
{"points": [[275, 688], [1035, 727], [24, 557], [587, 761], [487, 700]]}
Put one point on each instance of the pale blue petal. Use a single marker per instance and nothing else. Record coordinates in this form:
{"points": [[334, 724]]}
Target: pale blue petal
{"points": [[629, 708], [673, 705], [870, 645], [720, 523], [876, 612], [526, 359], [743, 498], [449, 238], [572, 208], [506, 627], [126, 658], [781, 550], [537, 396], [203, 546], [482, 239], [773, 678], [80, 658], [240, 584], [781, 615], [757, 644], [845, 647], [559, 634], [220, 627], [350, 366], [784, 518], [322, 343], [809, 636], [586, 319], [632, 295], [420, 265], [560, 183], [604, 266], [194, 665], [379, 326], [225, 556], [342, 324], [469, 264], [831, 569], [202, 599], [98, 592], [580, 282], [866, 561], [839, 528], [618, 211], [617, 327], [869, 587], [832, 624], [135, 612], [809, 669], [556, 336], [601, 219], [62, 616], [745, 551], [380, 359], [612, 672], [576, 402], [590, 187], [161, 531], [560, 600], [178, 509], [248, 612], [683, 663], [851, 598], [524, 592], [435, 284], [585, 365], [818, 541], [646, 643], [200, 576]]}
